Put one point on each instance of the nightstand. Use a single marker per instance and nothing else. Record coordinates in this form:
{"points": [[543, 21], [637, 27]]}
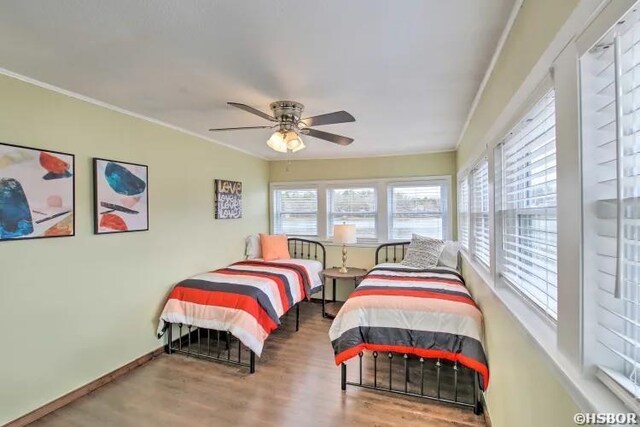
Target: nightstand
{"points": [[356, 274]]}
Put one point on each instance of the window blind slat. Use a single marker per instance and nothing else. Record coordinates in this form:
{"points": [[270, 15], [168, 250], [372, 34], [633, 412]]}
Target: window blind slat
{"points": [[354, 205], [418, 209], [479, 194], [463, 212], [526, 171], [296, 212]]}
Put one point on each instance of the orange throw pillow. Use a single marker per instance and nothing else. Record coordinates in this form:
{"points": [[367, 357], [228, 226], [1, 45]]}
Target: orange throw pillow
{"points": [[274, 247]]}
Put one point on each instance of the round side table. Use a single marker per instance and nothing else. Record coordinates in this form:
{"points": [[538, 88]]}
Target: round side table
{"points": [[330, 309]]}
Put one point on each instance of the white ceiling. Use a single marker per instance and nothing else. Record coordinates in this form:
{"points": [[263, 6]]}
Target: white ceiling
{"points": [[407, 70]]}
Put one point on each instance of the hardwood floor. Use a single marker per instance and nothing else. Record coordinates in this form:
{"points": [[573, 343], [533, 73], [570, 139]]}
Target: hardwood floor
{"points": [[296, 384]]}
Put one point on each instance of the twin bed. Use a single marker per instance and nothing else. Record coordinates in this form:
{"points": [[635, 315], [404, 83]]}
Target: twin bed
{"points": [[421, 327], [227, 314]]}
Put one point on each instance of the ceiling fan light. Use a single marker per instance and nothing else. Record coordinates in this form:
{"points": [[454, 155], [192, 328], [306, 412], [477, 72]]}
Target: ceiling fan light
{"points": [[298, 146], [277, 142], [293, 141]]}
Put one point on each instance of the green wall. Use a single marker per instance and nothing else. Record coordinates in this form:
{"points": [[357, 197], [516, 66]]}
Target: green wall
{"points": [[534, 28], [443, 163], [75, 308]]}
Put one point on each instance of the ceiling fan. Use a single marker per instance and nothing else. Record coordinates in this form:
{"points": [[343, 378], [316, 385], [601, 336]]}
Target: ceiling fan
{"points": [[286, 118]]}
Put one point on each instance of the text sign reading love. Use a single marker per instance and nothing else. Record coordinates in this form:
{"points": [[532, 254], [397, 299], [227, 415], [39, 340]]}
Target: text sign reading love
{"points": [[228, 203]]}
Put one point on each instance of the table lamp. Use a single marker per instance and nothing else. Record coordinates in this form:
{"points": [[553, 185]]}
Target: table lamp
{"points": [[344, 234]]}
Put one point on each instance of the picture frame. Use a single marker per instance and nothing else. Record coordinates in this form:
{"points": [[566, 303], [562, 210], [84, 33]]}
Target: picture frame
{"points": [[120, 196], [37, 193], [228, 199]]}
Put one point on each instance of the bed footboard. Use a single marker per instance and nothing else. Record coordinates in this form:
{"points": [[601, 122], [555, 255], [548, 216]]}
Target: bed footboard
{"points": [[432, 379], [211, 344]]}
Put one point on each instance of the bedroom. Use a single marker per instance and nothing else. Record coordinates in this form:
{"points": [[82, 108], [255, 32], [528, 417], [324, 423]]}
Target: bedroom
{"points": [[120, 212]]}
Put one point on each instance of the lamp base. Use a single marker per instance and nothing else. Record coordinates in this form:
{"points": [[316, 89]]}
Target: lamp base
{"points": [[344, 269]]}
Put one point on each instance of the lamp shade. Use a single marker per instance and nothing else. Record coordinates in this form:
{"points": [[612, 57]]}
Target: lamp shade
{"points": [[293, 141], [277, 142], [344, 234]]}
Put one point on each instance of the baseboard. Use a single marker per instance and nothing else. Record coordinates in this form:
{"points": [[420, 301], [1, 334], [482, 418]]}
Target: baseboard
{"points": [[485, 412], [84, 390]]}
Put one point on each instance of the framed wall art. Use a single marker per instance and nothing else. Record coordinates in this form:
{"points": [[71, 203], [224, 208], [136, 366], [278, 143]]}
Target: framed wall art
{"points": [[121, 196], [37, 193], [228, 199]]}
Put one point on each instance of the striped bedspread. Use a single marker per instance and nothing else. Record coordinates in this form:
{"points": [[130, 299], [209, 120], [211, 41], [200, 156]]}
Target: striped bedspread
{"points": [[246, 299], [427, 313]]}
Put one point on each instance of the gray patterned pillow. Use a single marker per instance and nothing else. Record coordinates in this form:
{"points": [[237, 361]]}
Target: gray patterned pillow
{"points": [[423, 252]]}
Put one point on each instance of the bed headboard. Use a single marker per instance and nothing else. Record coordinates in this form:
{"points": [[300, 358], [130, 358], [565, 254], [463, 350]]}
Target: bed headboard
{"points": [[307, 249], [391, 252]]}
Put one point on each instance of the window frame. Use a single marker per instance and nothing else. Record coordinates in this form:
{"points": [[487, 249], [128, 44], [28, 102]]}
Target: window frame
{"points": [[359, 186], [597, 345], [499, 221], [382, 186], [471, 250], [463, 178], [445, 204], [273, 205]]}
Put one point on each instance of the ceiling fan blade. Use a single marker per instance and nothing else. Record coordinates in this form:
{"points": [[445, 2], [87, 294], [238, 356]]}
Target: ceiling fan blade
{"points": [[329, 119], [252, 111], [332, 137], [240, 128]]}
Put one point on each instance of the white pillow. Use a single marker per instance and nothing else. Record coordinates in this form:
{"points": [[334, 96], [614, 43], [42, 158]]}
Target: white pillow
{"points": [[253, 249], [450, 254], [423, 252]]}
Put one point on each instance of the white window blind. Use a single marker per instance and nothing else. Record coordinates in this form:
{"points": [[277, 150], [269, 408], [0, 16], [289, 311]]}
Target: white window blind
{"points": [[463, 212], [417, 208], [354, 205], [611, 165], [480, 213], [295, 212], [526, 206]]}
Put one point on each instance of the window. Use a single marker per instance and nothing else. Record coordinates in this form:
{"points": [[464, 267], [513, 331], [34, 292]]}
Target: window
{"points": [[526, 206], [611, 196], [295, 211], [463, 211], [354, 205], [480, 213], [417, 208], [381, 209]]}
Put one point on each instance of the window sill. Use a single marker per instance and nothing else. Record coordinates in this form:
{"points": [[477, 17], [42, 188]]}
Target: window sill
{"points": [[353, 245], [589, 393], [368, 244]]}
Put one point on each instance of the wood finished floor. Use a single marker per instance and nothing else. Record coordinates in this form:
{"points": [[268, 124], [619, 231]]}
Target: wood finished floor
{"points": [[296, 384]]}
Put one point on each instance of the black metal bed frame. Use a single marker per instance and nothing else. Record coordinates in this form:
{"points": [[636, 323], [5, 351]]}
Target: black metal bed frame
{"points": [[403, 249], [197, 343], [412, 369]]}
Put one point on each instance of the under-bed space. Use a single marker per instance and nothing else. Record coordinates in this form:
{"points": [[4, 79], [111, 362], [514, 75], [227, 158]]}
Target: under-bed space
{"points": [[412, 331], [226, 315]]}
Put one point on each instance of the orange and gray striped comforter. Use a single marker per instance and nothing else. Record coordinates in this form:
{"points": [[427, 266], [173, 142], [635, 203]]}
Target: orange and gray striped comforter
{"points": [[246, 299], [426, 313]]}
